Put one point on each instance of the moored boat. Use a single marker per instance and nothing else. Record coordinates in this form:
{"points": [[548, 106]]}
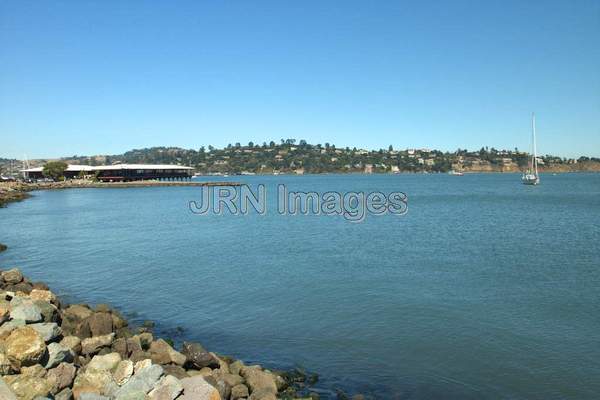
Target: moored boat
{"points": [[531, 177]]}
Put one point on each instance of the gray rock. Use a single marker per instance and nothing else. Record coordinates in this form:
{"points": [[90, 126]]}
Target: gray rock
{"points": [[143, 381], [10, 326], [168, 388], [57, 354], [5, 392], [47, 330], [92, 396], [25, 309], [65, 394], [49, 311], [93, 381]]}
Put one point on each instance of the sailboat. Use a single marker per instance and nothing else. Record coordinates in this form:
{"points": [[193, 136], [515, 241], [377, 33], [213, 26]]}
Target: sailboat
{"points": [[531, 177]]}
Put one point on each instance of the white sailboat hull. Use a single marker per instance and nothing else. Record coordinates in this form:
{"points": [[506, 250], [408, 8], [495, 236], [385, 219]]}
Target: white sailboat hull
{"points": [[530, 179]]}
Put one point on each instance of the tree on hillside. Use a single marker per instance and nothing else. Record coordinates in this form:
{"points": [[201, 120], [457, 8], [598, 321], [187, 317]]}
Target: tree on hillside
{"points": [[55, 170]]}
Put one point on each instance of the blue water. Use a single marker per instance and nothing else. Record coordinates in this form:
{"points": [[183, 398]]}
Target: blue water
{"points": [[486, 289]]}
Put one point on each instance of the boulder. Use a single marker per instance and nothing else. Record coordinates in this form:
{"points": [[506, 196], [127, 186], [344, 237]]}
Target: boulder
{"points": [[12, 276], [3, 247], [25, 346], [262, 394], [77, 312], [49, 311], [175, 370], [197, 357], [142, 382], [61, 377], [123, 372], [162, 353], [49, 331], [235, 367], [120, 346], [22, 287], [134, 344], [139, 356], [140, 365], [223, 365], [6, 392], [100, 324], [9, 326], [45, 295], [35, 370], [94, 381], [239, 392], [92, 396], [25, 309], [259, 380], [65, 394], [73, 343], [220, 384], [197, 388], [28, 387], [168, 388], [57, 353], [230, 379], [106, 362], [94, 344]]}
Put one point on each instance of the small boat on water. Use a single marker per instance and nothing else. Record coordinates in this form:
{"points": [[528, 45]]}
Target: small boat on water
{"points": [[531, 177], [455, 173]]}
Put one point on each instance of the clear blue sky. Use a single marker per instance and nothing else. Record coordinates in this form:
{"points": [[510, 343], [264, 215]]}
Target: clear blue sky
{"points": [[103, 77]]}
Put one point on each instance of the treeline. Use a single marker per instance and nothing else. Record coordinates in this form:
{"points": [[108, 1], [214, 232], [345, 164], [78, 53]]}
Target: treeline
{"points": [[289, 155]]}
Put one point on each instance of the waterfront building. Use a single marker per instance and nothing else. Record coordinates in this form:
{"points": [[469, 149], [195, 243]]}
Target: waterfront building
{"points": [[120, 172]]}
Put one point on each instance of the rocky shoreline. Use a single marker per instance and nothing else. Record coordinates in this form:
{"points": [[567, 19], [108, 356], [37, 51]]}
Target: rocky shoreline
{"points": [[50, 350]]}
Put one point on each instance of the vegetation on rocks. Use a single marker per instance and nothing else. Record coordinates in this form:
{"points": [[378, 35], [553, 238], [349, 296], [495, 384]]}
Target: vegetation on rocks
{"points": [[55, 351]]}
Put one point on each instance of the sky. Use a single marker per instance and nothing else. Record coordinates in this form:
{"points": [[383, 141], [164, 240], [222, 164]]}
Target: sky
{"points": [[103, 77]]}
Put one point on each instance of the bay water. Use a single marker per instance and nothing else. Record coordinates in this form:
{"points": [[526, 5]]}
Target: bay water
{"points": [[485, 289]]}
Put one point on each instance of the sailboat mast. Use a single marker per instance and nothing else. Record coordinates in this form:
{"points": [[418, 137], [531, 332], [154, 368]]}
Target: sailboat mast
{"points": [[535, 166]]}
